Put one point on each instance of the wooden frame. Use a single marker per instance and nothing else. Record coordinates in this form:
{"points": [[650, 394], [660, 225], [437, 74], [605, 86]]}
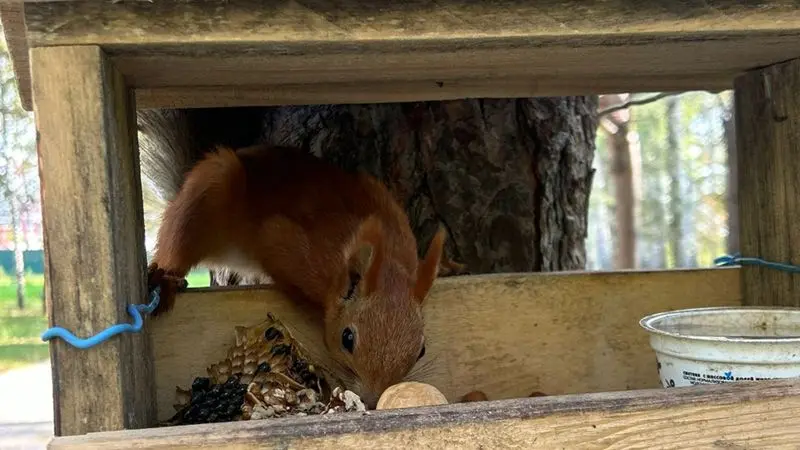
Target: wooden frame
{"points": [[768, 127], [474, 322], [99, 55], [739, 415], [247, 52], [94, 250]]}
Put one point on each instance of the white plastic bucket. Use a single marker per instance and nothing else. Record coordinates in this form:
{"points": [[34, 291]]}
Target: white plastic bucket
{"points": [[725, 344]]}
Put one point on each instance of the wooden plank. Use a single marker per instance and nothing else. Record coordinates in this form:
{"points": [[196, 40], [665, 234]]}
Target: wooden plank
{"points": [[507, 335], [388, 62], [13, 19], [408, 91], [736, 415], [248, 42], [94, 238], [90, 22], [768, 131]]}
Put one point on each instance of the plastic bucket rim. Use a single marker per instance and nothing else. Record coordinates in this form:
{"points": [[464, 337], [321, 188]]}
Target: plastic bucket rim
{"points": [[647, 324]]}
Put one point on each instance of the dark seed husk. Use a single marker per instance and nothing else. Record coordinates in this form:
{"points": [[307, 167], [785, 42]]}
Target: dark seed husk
{"points": [[200, 384], [281, 349], [264, 375], [272, 334]]}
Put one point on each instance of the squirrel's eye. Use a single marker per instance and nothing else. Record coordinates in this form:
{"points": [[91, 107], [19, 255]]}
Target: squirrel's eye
{"points": [[421, 353], [355, 277], [348, 339]]}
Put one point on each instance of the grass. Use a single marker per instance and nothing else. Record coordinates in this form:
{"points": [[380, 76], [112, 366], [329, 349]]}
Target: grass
{"points": [[20, 330], [198, 279]]}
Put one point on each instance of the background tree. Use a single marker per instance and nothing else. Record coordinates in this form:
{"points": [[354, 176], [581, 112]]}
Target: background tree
{"points": [[683, 189], [615, 123], [672, 159], [509, 178], [19, 187], [729, 126]]}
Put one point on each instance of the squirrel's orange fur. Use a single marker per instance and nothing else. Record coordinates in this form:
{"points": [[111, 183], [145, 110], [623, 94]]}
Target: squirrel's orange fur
{"points": [[338, 240]]}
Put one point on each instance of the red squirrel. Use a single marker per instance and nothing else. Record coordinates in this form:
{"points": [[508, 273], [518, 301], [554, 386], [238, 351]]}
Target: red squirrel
{"points": [[335, 239]]}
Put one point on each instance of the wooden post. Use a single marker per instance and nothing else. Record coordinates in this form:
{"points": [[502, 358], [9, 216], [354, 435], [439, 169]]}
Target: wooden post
{"points": [[94, 238], [768, 142], [12, 17]]}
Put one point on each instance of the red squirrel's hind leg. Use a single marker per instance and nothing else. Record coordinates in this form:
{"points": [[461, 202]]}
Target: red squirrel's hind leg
{"points": [[285, 253], [169, 284], [196, 224]]}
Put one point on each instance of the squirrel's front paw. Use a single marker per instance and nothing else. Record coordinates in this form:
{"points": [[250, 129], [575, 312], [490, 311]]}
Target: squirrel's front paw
{"points": [[170, 285]]}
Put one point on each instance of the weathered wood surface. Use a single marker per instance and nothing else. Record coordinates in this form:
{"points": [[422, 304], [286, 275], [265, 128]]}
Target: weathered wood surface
{"points": [[367, 92], [507, 335], [737, 415], [13, 20], [363, 20], [93, 234], [768, 136], [559, 48]]}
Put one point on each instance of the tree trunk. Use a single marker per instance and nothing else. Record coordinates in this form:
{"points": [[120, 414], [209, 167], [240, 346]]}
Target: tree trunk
{"points": [[729, 125], [509, 178], [674, 173], [622, 175], [19, 255], [623, 192]]}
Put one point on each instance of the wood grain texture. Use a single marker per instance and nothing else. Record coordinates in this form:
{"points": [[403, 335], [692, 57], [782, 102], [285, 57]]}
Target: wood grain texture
{"points": [[94, 239], [506, 335], [13, 20], [659, 44], [90, 22], [408, 91], [768, 132], [737, 416]]}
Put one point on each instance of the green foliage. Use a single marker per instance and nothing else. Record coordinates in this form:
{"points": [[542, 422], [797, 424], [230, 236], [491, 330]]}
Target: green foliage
{"points": [[702, 177], [650, 124], [198, 278], [20, 331], [703, 148]]}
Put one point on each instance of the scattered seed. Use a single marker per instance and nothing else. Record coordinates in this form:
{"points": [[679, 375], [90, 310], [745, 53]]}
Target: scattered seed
{"points": [[272, 333]]}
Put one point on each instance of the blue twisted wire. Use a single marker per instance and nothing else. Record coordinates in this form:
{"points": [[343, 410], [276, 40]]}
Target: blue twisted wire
{"points": [[134, 311], [736, 259]]}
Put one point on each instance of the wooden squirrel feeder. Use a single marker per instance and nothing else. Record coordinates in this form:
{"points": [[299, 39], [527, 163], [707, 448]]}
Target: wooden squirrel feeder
{"points": [[574, 336]]}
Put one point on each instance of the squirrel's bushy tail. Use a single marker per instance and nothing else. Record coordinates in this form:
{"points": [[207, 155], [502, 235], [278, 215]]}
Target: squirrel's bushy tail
{"points": [[166, 150], [172, 141]]}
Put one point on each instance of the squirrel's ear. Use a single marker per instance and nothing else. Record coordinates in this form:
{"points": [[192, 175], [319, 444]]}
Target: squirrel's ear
{"points": [[361, 258], [428, 268], [363, 253]]}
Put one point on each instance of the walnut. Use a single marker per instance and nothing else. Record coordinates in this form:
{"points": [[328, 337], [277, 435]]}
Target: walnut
{"points": [[410, 394]]}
